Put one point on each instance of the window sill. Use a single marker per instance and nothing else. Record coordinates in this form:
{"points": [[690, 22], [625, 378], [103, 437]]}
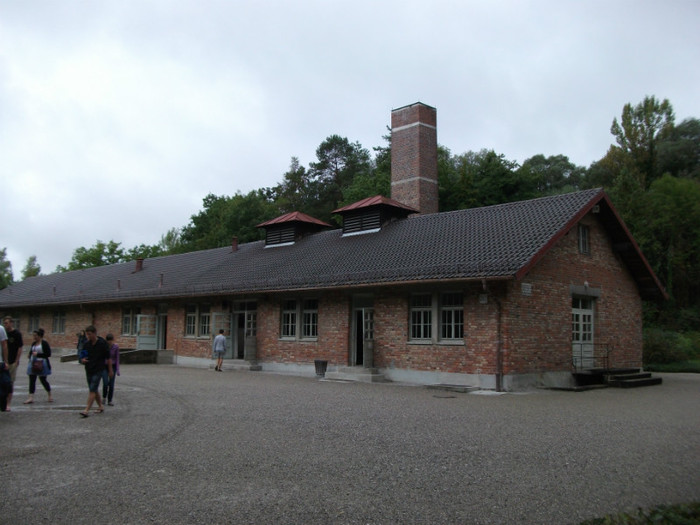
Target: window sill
{"points": [[427, 342]]}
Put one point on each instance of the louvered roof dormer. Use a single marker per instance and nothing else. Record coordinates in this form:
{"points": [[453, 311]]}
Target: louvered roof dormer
{"points": [[370, 214], [290, 227]]}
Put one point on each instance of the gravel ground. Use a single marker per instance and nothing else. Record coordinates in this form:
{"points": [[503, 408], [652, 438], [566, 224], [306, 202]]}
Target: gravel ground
{"points": [[197, 446]]}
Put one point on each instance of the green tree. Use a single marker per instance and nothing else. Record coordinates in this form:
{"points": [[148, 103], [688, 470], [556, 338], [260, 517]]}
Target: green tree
{"points": [[101, 254], [296, 191], [637, 135], [170, 241], [6, 278], [338, 162], [668, 231], [497, 180], [224, 217], [679, 151], [143, 251], [552, 175], [31, 269], [456, 179]]}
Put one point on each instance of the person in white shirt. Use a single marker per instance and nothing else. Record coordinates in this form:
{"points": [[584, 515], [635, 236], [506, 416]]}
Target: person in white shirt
{"points": [[219, 350]]}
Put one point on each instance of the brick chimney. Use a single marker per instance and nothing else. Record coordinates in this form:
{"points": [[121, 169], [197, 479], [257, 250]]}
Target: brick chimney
{"points": [[234, 244], [414, 179]]}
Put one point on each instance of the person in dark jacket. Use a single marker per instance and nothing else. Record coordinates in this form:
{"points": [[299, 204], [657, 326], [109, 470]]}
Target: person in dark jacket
{"points": [[95, 360], [39, 365], [14, 352]]}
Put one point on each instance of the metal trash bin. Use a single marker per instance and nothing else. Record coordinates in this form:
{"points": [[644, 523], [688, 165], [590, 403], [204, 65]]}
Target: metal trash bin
{"points": [[321, 367]]}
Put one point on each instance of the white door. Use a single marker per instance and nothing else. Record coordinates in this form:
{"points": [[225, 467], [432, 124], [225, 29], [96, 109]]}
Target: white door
{"points": [[582, 332], [146, 332]]}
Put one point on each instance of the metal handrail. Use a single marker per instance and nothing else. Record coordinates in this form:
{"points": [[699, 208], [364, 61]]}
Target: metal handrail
{"points": [[599, 359]]}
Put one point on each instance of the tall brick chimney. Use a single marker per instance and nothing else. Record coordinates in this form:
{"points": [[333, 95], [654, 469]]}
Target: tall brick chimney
{"points": [[414, 179]]}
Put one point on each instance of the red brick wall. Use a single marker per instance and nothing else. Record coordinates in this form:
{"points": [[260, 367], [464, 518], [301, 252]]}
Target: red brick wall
{"points": [[393, 349], [537, 328], [332, 343]]}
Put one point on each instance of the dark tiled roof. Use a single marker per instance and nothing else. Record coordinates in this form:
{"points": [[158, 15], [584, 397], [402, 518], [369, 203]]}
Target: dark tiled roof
{"points": [[502, 241]]}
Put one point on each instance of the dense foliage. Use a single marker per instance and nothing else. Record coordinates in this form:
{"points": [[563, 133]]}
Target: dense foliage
{"points": [[651, 172]]}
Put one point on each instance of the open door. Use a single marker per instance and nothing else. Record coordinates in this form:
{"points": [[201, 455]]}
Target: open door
{"points": [[362, 338], [146, 332]]}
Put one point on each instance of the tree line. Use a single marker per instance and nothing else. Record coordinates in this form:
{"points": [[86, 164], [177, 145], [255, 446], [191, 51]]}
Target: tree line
{"points": [[651, 172]]}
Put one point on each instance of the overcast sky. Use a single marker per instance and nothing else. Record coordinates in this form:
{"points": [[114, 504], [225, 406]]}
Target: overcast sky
{"points": [[118, 117]]}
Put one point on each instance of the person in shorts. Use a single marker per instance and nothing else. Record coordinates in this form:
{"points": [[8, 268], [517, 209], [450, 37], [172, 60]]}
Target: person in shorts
{"points": [[219, 350], [96, 358]]}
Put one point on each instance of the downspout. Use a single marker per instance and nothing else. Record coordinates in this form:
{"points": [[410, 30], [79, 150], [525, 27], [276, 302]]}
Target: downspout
{"points": [[499, 347]]}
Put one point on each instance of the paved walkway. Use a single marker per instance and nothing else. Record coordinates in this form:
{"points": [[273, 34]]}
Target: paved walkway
{"points": [[198, 446]]}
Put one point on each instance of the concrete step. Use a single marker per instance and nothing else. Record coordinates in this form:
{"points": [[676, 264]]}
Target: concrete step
{"points": [[356, 373], [464, 389], [633, 383], [640, 375]]}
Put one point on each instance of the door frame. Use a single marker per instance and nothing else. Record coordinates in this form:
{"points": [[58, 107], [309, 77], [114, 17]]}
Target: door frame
{"points": [[583, 331]]}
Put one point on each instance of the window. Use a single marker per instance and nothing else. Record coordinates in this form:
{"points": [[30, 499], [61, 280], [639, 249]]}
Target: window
{"points": [[310, 318], [584, 239], [441, 314], [289, 319], [197, 320], [421, 316], [299, 317], [33, 322], [204, 320], [191, 320], [451, 316], [129, 319], [59, 323]]}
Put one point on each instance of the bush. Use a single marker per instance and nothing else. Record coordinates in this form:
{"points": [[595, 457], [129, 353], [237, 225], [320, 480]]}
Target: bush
{"points": [[663, 346], [685, 514]]}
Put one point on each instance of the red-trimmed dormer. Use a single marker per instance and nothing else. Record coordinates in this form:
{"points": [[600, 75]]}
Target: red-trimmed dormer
{"points": [[290, 227], [370, 214]]}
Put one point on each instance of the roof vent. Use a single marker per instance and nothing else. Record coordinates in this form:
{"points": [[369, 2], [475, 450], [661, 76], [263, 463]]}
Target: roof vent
{"points": [[289, 228], [369, 215]]}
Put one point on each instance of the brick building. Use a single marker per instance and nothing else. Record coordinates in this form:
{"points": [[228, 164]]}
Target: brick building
{"points": [[500, 297]]}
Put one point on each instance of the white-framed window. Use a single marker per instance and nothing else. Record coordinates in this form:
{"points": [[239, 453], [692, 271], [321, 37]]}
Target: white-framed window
{"points": [[129, 326], [197, 320], [451, 316], [289, 319], [584, 242], [310, 319], [299, 319], [437, 317], [33, 322], [59, 323], [422, 316]]}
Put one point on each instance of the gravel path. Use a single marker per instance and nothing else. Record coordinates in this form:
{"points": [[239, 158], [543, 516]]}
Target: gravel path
{"points": [[197, 446]]}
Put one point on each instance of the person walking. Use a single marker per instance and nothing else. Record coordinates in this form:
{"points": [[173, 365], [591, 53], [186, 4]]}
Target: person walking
{"points": [[14, 352], [219, 350], [108, 382], [95, 359], [39, 365], [5, 381]]}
